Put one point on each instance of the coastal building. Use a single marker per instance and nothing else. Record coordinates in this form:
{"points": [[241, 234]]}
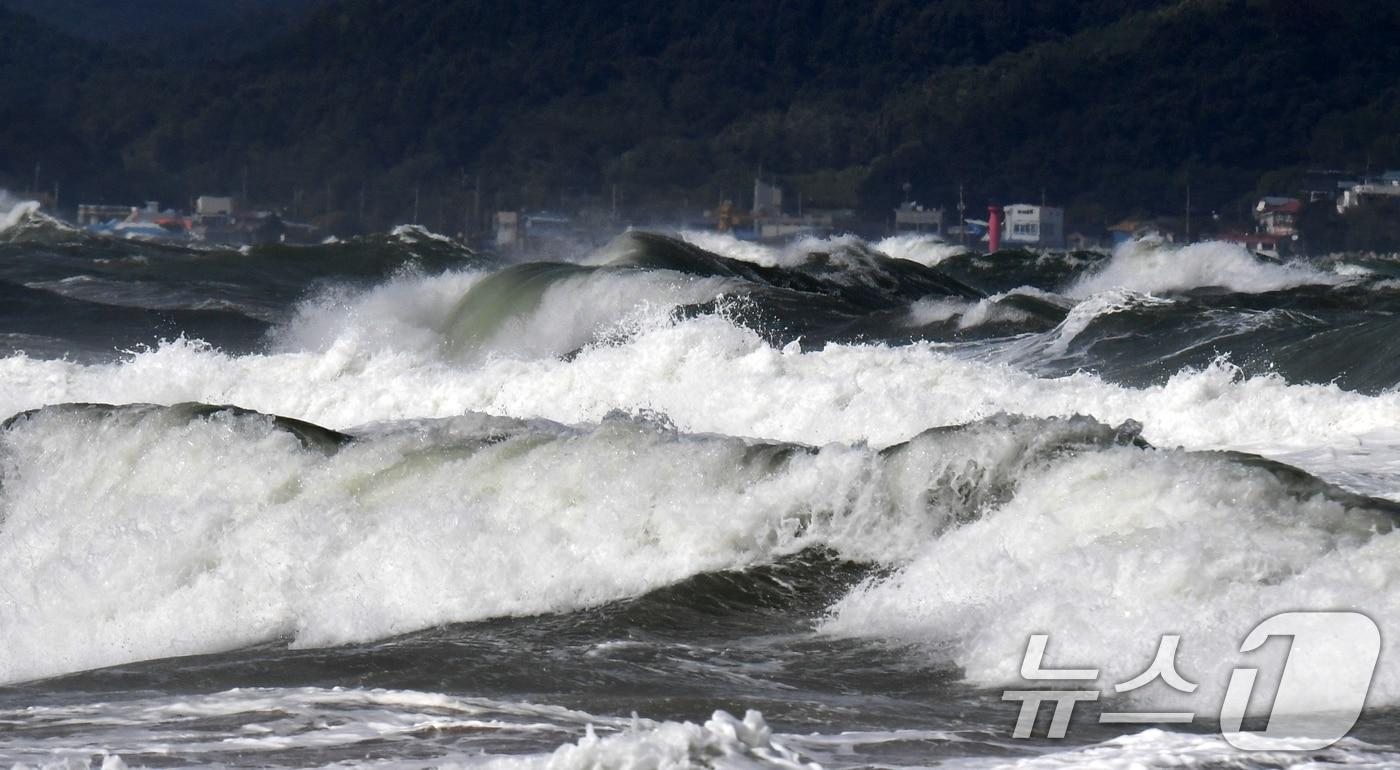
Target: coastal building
{"points": [[213, 206], [768, 219], [1030, 226], [1263, 244], [507, 229], [1141, 230], [773, 228], [99, 214], [911, 217], [1324, 185], [1385, 188], [149, 222], [767, 200], [1278, 216]]}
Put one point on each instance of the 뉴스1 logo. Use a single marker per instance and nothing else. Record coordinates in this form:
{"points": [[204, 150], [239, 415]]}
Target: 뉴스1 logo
{"points": [[1319, 697]]}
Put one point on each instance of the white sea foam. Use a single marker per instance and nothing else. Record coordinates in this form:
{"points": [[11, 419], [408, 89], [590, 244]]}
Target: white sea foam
{"points": [[414, 314], [968, 314], [411, 234], [305, 726], [143, 534], [277, 726], [1109, 551], [253, 538], [723, 742], [1154, 748], [708, 375], [1096, 306], [1160, 267], [14, 211], [934, 310], [726, 245], [793, 253], [925, 249]]}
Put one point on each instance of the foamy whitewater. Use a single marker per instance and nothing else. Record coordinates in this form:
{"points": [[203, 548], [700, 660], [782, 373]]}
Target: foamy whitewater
{"points": [[678, 501]]}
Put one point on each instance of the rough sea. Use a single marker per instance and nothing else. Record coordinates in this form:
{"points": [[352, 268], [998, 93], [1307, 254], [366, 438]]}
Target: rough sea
{"points": [[680, 501]]}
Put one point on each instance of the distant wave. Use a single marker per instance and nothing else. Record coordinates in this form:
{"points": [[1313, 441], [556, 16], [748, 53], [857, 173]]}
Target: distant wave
{"points": [[1154, 267], [15, 212]]}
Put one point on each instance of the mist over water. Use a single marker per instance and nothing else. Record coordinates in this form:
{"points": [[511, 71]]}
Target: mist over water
{"points": [[393, 502]]}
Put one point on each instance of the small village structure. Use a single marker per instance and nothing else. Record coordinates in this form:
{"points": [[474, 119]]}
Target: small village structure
{"points": [[215, 219], [1035, 227], [1385, 189], [912, 217], [1272, 226]]}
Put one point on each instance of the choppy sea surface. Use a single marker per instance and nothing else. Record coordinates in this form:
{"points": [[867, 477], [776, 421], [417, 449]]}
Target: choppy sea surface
{"points": [[678, 501]]}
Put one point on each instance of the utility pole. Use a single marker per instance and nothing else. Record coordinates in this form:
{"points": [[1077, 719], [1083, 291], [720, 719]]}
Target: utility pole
{"points": [[962, 222]]}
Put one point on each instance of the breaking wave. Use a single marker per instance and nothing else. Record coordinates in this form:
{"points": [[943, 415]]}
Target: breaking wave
{"points": [[14, 211], [1145, 266], [167, 531], [894, 444]]}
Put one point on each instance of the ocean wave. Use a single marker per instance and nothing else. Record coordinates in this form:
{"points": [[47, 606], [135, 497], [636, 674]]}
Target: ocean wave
{"points": [[554, 309], [1155, 748], [709, 375], [1155, 267], [927, 250], [14, 211], [310, 725], [192, 529], [22, 220], [1110, 550], [198, 529], [1014, 307]]}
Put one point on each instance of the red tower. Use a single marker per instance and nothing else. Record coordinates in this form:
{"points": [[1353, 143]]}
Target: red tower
{"points": [[993, 229]]}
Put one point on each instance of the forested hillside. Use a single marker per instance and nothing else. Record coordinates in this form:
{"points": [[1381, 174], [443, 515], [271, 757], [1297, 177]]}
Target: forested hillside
{"points": [[1112, 106], [169, 29]]}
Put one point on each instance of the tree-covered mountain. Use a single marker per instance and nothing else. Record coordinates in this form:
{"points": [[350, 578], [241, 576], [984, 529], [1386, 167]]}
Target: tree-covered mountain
{"points": [[178, 29], [1109, 105]]}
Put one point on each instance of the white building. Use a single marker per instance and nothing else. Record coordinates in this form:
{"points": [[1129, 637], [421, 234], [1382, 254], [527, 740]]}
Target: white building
{"points": [[507, 229], [911, 217], [213, 206], [1034, 226], [767, 200], [1386, 188]]}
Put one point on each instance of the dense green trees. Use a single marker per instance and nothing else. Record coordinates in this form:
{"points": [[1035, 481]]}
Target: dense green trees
{"points": [[172, 29], [1109, 105]]}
